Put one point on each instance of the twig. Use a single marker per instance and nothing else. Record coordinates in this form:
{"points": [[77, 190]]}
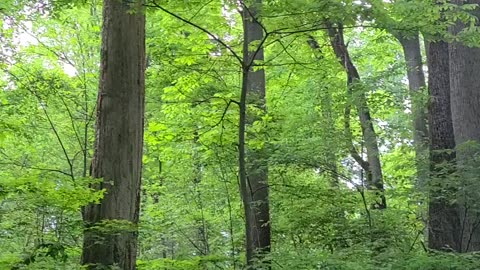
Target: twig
{"points": [[155, 5], [36, 168]]}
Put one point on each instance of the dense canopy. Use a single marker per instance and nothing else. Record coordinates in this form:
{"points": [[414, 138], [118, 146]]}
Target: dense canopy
{"points": [[249, 134]]}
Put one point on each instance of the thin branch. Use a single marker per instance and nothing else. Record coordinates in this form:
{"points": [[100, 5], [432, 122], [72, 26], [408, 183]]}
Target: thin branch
{"points": [[348, 133], [24, 29], [251, 62], [415, 240], [60, 141], [285, 31], [200, 9], [202, 252], [281, 52], [292, 14], [36, 168], [285, 49], [72, 122], [313, 43], [221, 119], [254, 18], [52, 125], [155, 5], [367, 210]]}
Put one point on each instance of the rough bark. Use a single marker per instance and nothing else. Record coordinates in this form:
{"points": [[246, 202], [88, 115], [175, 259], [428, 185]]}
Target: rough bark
{"points": [[119, 141], [444, 228], [253, 162], [374, 172], [416, 85], [465, 104]]}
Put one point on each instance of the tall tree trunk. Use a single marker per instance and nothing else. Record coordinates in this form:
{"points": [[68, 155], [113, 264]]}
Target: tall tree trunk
{"points": [[444, 228], [119, 141], [416, 85], [372, 166], [252, 161], [465, 104]]}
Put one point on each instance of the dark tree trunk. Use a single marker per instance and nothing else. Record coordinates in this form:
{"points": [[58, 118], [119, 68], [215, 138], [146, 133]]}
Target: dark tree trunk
{"points": [[416, 85], [444, 229], [372, 166], [253, 162], [465, 104], [119, 141]]}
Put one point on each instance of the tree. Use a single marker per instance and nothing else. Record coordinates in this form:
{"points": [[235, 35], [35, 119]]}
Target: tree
{"points": [[416, 84], [321, 110], [119, 141], [443, 219], [465, 106], [392, 16], [372, 165], [253, 168]]}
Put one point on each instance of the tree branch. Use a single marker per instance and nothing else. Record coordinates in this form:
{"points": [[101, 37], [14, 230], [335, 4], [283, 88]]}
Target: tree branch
{"points": [[313, 43], [155, 5], [36, 168], [52, 125]]}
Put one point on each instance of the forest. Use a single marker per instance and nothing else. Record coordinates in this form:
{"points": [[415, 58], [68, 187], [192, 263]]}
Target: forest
{"points": [[240, 134]]}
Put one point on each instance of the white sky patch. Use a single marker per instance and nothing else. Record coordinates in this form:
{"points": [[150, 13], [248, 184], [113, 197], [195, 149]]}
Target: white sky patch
{"points": [[356, 180], [408, 106], [70, 70], [23, 37], [229, 15]]}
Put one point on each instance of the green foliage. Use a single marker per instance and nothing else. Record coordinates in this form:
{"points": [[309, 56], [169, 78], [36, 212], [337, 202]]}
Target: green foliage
{"points": [[199, 263], [191, 215]]}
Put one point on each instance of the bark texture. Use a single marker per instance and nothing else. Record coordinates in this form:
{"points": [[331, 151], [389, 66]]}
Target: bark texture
{"points": [[253, 162], [416, 85], [372, 166], [465, 104], [119, 141], [444, 228]]}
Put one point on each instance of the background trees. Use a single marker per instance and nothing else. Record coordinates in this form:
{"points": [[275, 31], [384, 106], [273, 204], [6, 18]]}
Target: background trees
{"points": [[306, 122]]}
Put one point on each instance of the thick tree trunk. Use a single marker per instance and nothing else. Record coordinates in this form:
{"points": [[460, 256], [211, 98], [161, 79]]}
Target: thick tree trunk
{"points": [[444, 228], [119, 141], [465, 104], [416, 85], [374, 172], [253, 162]]}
